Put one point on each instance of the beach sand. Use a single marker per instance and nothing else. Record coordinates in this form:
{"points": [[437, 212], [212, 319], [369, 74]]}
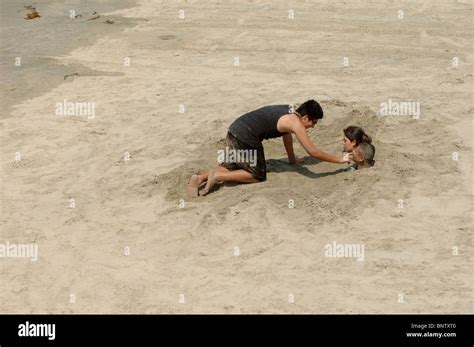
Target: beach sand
{"points": [[134, 242]]}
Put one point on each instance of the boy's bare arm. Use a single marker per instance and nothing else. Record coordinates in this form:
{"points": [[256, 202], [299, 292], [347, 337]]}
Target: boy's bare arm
{"points": [[288, 142], [303, 138], [293, 125]]}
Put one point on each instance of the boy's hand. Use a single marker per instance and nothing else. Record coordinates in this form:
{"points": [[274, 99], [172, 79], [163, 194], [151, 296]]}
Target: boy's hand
{"points": [[296, 161], [346, 158]]}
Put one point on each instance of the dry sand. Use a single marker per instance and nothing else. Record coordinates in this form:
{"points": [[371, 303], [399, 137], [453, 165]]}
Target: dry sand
{"points": [[184, 259]]}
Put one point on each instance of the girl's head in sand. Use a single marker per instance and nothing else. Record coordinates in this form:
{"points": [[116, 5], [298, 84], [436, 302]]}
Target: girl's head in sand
{"points": [[364, 155], [353, 136], [357, 142]]}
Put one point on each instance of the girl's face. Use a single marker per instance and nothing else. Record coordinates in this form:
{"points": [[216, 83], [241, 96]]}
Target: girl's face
{"points": [[349, 145]]}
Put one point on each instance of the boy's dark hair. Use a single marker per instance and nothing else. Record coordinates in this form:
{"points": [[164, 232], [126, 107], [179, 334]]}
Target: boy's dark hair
{"points": [[312, 109]]}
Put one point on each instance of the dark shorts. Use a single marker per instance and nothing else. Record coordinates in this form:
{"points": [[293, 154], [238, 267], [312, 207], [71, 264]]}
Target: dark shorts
{"points": [[245, 157]]}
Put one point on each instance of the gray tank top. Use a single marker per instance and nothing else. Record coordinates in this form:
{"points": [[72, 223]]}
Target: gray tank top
{"points": [[254, 127]]}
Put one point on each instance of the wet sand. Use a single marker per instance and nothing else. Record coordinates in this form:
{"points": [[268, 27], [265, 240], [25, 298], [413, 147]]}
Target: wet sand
{"points": [[40, 41]]}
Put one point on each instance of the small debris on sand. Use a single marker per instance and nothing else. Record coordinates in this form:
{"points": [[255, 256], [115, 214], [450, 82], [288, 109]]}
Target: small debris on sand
{"points": [[73, 74], [33, 13]]}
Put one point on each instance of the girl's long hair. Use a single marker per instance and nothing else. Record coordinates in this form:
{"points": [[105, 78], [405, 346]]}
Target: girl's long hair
{"points": [[358, 134]]}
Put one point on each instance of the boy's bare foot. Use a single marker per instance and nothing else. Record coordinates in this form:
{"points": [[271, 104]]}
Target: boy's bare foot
{"points": [[193, 185], [211, 181]]}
